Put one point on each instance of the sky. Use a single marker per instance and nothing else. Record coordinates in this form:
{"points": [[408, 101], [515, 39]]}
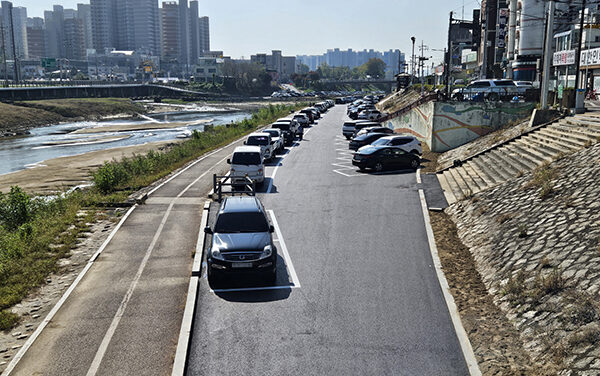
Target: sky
{"points": [[242, 28]]}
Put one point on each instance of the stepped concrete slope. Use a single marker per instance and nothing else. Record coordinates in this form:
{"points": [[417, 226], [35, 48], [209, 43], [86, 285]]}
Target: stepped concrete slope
{"points": [[519, 155]]}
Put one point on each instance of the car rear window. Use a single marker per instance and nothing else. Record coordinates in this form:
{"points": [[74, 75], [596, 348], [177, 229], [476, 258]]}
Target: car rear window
{"points": [[283, 127], [246, 158], [257, 140], [241, 222], [273, 133]]}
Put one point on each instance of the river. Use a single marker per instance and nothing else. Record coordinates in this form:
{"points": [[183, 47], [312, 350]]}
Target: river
{"points": [[76, 138]]}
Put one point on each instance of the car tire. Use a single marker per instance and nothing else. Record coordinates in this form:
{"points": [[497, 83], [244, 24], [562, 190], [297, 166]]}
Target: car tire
{"points": [[361, 168], [459, 96], [414, 164], [379, 167], [493, 97]]}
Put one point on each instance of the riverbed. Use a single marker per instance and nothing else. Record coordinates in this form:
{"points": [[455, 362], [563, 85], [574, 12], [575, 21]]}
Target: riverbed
{"points": [[77, 138]]}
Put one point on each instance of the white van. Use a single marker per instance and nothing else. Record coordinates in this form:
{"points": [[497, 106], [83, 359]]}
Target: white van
{"points": [[247, 160]]}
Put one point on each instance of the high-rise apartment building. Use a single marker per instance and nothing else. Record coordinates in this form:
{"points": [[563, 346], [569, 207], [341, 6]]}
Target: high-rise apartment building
{"points": [[36, 38], [204, 34], [170, 31], [14, 25], [74, 36], [104, 24], [55, 32], [84, 13], [20, 25], [184, 33], [194, 31]]}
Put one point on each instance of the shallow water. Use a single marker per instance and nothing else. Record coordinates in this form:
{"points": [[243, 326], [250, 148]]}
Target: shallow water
{"points": [[57, 140]]}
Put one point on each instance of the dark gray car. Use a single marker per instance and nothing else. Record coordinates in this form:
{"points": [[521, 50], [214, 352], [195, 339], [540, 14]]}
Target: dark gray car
{"points": [[242, 240]]}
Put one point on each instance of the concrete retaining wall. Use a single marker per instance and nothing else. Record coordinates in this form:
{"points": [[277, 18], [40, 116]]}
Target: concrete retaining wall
{"points": [[447, 125]]}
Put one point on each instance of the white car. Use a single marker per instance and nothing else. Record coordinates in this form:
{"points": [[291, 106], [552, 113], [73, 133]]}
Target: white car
{"points": [[246, 161], [292, 122], [491, 89], [408, 143], [370, 115], [276, 139], [262, 140]]}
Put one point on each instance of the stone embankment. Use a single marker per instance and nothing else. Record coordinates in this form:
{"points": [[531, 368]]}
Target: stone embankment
{"points": [[535, 240]]}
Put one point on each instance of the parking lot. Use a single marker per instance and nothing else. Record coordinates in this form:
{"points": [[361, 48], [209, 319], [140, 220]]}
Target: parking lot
{"points": [[356, 291]]}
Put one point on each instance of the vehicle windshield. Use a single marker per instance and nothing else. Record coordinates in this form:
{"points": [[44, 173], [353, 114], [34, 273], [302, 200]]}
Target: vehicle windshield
{"points": [[249, 158], [257, 140], [273, 133], [230, 223]]}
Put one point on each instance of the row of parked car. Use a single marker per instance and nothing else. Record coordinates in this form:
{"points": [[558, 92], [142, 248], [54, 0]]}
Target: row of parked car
{"points": [[364, 109], [242, 240], [378, 148]]}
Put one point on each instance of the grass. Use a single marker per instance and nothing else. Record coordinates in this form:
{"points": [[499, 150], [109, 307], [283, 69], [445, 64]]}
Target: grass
{"points": [[517, 291], [36, 233], [542, 179]]}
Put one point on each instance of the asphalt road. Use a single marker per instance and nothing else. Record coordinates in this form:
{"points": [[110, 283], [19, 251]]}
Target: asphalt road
{"points": [[357, 291]]}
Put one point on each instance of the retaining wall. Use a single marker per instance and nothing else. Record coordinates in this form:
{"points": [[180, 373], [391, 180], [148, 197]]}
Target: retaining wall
{"points": [[447, 125]]}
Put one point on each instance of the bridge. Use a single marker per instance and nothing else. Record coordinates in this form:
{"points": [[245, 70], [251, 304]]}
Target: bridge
{"points": [[100, 91]]}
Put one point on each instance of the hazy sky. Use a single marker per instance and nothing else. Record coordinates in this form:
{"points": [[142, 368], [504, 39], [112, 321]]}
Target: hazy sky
{"points": [[307, 27]]}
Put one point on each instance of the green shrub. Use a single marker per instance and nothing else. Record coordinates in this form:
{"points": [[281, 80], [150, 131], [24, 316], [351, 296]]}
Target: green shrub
{"points": [[15, 208]]}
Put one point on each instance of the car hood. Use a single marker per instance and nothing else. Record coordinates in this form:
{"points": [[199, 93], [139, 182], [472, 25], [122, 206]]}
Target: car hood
{"points": [[255, 241]]}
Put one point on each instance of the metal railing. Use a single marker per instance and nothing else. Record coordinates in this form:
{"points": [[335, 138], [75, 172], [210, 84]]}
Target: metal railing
{"points": [[247, 188]]}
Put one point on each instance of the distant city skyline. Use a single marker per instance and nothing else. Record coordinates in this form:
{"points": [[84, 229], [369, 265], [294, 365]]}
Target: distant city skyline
{"points": [[309, 27]]}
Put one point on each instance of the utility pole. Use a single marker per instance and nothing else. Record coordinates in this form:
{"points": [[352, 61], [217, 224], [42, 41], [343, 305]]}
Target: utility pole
{"points": [[413, 39], [547, 55], [449, 57], [484, 60], [578, 55]]}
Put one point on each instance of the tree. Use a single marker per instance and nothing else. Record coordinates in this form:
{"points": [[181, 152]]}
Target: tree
{"points": [[374, 67]]}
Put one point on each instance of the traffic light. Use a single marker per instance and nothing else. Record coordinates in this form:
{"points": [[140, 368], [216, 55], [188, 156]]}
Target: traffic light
{"points": [[476, 35]]}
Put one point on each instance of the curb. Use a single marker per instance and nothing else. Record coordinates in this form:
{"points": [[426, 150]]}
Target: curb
{"points": [[461, 333], [185, 333]]}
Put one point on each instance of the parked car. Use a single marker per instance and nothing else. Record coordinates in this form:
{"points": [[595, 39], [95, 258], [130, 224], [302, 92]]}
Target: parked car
{"points": [[365, 139], [385, 158], [362, 124], [302, 119], [308, 112], [375, 129], [490, 89], [293, 123], [349, 127], [242, 240], [276, 139], [409, 144], [246, 161], [370, 115], [286, 131], [263, 140]]}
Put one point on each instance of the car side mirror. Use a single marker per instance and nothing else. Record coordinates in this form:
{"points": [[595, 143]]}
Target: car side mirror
{"points": [[271, 229], [228, 161], [208, 230], [245, 143]]}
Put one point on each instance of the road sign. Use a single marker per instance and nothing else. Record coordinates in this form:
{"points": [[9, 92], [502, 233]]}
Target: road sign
{"points": [[49, 63]]}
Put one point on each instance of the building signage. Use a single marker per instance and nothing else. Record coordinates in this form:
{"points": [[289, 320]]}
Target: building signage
{"points": [[590, 57], [564, 58], [501, 33]]}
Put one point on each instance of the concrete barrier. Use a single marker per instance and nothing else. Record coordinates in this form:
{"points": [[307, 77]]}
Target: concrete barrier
{"points": [[447, 125]]}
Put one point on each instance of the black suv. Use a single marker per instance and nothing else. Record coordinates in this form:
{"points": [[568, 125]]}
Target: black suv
{"points": [[242, 240]]}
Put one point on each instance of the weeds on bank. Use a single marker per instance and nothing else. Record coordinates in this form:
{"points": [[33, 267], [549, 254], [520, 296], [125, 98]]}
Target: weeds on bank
{"points": [[35, 232], [542, 179], [517, 291]]}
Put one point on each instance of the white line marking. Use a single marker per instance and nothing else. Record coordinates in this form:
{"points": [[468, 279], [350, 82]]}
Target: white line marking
{"points": [[461, 334], [65, 296], [346, 175], [286, 255], [418, 176]]}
